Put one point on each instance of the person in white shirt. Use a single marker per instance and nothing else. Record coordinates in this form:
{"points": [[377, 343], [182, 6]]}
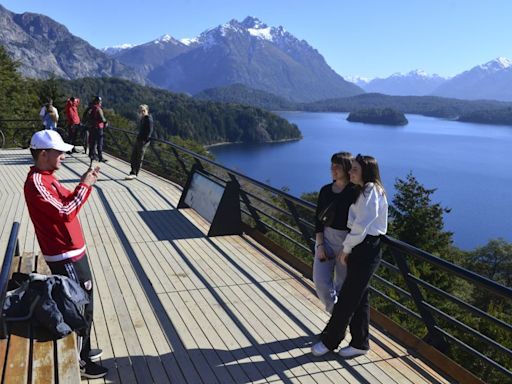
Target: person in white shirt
{"points": [[367, 220], [49, 115]]}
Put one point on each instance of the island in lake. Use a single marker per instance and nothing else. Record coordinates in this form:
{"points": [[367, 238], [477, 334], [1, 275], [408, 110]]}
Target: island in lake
{"points": [[386, 116]]}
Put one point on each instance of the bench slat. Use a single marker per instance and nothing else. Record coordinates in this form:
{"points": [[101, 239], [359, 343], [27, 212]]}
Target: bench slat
{"points": [[67, 357], [3, 351], [16, 368], [42, 362], [17, 365]]}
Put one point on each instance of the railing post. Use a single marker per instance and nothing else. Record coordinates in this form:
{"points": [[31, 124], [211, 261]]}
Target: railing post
{"points": [[157, 154], [254, 214], [433, 337], [303, 230], [11, 251], [180, 160]]}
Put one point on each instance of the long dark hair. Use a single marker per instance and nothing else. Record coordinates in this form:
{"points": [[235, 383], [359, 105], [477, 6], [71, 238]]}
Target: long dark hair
{"points": [[370, 171], [344, 159]]}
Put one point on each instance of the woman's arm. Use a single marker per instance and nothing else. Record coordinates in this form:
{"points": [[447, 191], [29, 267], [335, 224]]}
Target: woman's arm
{"points": [[365, 212]]}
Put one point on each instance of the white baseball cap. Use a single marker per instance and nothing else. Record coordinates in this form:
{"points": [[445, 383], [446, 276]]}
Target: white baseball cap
{"points": [[49, 139]]}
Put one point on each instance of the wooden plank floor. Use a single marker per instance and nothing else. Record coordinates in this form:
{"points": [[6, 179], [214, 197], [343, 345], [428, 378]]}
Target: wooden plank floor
{"points": [[172, 305]]}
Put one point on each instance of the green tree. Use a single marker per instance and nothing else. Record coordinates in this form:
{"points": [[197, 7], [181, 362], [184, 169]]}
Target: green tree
{"points": [[416, 220], [493, 260], [17, 95]]}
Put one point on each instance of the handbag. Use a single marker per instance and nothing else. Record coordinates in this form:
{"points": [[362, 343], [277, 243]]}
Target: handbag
{"points": [[326, 217]]}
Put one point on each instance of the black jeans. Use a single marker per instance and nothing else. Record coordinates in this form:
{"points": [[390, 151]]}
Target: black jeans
{"points": [[73, 132], [80, 272], [96, 143], [139, 148], [353, 307]]}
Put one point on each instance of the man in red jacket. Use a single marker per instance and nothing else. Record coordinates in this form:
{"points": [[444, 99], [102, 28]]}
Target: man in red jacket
{"points": [[72, 120], [54, 213]]}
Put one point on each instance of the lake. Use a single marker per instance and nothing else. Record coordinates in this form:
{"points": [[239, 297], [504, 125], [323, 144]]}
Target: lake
{"points": [[469, 164]]}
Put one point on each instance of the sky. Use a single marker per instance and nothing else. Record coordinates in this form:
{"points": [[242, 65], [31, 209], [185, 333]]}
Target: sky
{"points": [[367, 38]]}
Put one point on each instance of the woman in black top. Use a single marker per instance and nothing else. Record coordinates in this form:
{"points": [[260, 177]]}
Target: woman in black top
{"points": [[331, 229], [142, 142]]}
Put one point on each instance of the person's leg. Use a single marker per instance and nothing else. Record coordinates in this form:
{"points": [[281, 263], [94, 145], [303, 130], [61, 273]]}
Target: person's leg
{"points": [[71, 134], [335, 238], [136, 157], [100, 144], [360, 322], [81, 273], [361, 265], [340, 274], [141, 158], [92, 143], [322, 277], [85, 138]]}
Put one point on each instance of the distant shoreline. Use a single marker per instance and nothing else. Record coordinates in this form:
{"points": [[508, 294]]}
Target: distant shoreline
{"points": [[243, 142]]}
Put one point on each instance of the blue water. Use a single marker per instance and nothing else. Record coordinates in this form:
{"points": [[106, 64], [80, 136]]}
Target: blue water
{"points": [[469, 164]]}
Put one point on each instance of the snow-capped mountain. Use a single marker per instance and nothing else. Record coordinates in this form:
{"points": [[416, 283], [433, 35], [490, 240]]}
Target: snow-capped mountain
{"points": [[414, 83], [358, 80], [111, 51], [146, 57], [492, 80], [253, 54]]}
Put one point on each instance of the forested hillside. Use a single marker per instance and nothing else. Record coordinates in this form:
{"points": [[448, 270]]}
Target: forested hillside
{"points": [[206, 122]]}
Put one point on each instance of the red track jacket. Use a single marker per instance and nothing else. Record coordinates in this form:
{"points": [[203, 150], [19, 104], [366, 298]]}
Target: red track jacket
{"points": [[53, 210]]}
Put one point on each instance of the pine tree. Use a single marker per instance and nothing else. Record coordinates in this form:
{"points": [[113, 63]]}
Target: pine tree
{"points": [[416, 220]]}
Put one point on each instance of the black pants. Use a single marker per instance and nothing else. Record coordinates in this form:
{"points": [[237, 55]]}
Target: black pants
{"points": [[353, 307], [80, 272], [139, 148], [73, 132], [96, 144]]}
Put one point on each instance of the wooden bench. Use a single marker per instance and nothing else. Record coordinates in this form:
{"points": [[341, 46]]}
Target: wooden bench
{"points": [[28, 358]]}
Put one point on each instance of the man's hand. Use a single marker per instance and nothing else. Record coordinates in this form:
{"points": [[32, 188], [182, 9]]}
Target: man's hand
{"points": [[342, 258], [91, 176]]}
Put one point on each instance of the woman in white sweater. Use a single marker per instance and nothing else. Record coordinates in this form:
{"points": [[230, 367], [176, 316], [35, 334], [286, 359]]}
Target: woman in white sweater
{"points": [[367, 220]]}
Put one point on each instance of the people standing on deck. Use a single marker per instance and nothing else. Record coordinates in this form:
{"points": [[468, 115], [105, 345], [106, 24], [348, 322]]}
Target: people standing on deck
{"points": [[49, 115], [331, 229], [98, 123], [54, 210], [142, 141], [367, 220], [72, 120]]}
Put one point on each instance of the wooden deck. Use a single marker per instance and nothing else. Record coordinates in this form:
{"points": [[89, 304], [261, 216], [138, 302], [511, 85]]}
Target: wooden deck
{"points": [[172, 305]]}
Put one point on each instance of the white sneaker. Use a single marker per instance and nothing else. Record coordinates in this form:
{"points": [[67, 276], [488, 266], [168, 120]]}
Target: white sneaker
{"points": [[350, 352], [319, 349], [130, 177]]}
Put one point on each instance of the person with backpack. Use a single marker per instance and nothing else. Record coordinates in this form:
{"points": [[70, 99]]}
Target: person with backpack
{"points": [[49, 115], [72, 120], [97, 123]]}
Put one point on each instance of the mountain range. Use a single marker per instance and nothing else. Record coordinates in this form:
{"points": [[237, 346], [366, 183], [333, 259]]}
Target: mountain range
{"points": [[247, 53], [414, 83], [46, 48], [492, 80], [489, 81]]}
